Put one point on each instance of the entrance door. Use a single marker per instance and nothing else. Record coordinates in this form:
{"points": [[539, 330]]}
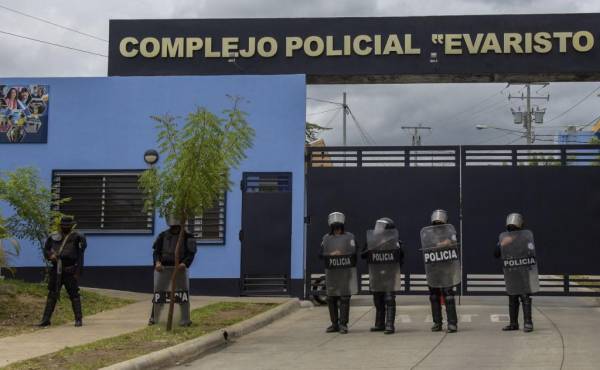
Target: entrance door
{"points": [[266, 233]]}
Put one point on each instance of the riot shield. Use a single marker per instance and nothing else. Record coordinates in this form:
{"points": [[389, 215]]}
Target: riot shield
{"points": [[339, 254], [161, 298], [384, 261], [519, 262], [441, 256]]}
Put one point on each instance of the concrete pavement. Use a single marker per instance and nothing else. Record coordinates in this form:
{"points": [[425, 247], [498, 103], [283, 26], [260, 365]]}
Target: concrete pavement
{"points": [[102, 325], [566, 336]]}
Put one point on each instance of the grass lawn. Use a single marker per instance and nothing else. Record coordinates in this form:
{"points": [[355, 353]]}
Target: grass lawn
{"points": [[22, 305], [123, 347]]}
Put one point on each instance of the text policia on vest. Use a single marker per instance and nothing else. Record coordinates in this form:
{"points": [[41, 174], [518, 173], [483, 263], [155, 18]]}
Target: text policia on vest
{"points": [[517, 262], [441, 256]]}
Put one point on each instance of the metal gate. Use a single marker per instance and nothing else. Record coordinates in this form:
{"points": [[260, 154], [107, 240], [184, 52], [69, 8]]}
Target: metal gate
{"points": [[266, 233], [366, 183], [557, 188]]}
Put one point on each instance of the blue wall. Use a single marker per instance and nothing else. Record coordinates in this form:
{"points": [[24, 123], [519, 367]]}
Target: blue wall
{"points": [[104, 124]]}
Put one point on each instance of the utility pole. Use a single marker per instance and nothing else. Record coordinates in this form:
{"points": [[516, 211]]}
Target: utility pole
{"points": [[528, 114], [345, 108], [416, 136]]}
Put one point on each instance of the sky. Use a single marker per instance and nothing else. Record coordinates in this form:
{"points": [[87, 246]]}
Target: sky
{"points": [[451, 110]]}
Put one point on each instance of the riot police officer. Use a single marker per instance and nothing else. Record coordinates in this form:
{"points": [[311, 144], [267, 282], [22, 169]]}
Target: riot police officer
{"points": [[338, 250], [64, 250], [442, 267], [517, 249], [384, 255], [164, 263]]}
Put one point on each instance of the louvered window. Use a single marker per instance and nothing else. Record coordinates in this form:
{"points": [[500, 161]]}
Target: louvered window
{"points": [[103, 202], [210, 227]]}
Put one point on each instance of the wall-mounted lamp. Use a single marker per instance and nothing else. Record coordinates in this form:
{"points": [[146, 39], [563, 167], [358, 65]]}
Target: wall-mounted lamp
{"points": [[151, 157]]}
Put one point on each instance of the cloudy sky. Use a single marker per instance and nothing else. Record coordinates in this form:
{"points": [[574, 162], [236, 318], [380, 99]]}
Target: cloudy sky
{"points": [[452, 110]]}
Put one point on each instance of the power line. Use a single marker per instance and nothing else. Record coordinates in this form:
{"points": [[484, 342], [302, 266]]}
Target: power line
{"points": [[52, 23], [325, 111], [363, 132], [324, 101], [473, 105], [574, 105], [492, 139], [53, 44], [514, 141], [327, 125], [590, 123]]}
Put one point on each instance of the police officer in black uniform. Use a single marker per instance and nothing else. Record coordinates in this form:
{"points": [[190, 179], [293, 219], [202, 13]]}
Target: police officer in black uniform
{"points": [[65, 251], [164, 251], [384, 285], [515, 222], [338, 250], [440, 217]]}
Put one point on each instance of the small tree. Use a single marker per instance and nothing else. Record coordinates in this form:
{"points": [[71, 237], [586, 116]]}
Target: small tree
{"points": [[34, 216], [195, 170], [9, 247], [312, 131]]}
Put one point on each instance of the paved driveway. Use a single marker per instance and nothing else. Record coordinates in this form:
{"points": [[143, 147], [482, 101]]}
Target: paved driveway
{"points": [[567, 336]]}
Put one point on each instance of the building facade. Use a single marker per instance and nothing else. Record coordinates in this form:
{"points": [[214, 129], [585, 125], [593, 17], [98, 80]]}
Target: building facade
{"points": [[97, 132]]}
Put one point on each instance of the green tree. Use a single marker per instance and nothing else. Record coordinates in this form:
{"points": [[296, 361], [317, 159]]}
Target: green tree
{"points": [[312, 131], [198, 156], [34, 207], [9, 247]]}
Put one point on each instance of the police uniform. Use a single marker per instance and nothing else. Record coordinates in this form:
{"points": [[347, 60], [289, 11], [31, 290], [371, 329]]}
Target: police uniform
{"points": [[385, 256], [514, 223], [65, 251], [338, 250], [440, 217], [164, 255]]}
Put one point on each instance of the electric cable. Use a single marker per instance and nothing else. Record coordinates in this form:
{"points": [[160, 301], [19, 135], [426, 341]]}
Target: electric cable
{"points": [[52, 23], [574, 105], [53, 44]]}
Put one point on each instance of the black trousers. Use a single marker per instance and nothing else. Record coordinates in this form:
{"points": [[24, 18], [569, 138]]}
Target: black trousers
{"points": [[513, 308], [71, 285], [436, 306], [68, 280]]}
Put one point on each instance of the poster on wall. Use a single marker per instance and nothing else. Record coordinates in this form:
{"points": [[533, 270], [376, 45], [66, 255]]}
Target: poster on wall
{"points": [[24, 114]]}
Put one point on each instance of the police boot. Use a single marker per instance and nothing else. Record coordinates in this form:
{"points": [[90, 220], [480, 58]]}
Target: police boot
{"points": [[390, 313], [332, 304], [527, 322], [48, 310], [451, 313], [436, 312], [76, 304], [379, 302], [151, 319], [344, 314], [513, 313]]}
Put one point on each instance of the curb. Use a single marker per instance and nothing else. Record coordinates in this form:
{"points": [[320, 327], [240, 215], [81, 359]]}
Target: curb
{"points": [[194, 348]]}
